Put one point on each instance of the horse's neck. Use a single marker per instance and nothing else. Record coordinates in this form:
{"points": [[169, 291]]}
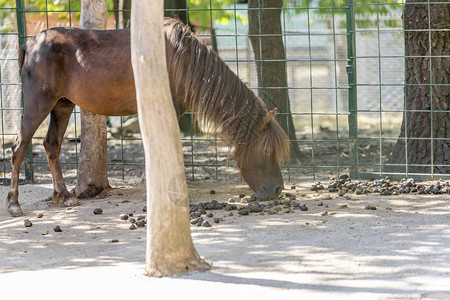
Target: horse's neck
{"points": [[205, 85]]}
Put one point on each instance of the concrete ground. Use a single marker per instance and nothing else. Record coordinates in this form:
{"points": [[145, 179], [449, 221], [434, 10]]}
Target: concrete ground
{"points": [[337, 250]]}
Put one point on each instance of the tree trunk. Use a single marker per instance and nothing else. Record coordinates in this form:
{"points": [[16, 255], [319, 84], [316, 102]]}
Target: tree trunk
{"points": [[123, 13], [93, 159], [267, 42], [126, 14], [420, 73], [170, 249]]}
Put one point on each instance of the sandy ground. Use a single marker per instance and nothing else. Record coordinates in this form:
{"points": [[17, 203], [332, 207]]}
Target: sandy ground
{"points": [[399, 251]]}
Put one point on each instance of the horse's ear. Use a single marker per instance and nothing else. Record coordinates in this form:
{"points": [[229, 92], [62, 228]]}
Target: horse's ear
{"points": [[268, 117], [273, 112]]}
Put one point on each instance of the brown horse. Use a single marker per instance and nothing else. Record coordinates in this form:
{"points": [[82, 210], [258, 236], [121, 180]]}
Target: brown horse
{"points": [[64, 67]]}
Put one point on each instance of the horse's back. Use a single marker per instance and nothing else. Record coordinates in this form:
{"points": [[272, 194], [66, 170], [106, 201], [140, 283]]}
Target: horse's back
{"points": [[91, 68]]}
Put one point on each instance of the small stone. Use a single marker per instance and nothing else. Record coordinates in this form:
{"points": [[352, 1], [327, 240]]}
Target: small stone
{"points": [[209, 215], [243, 212], [216, 220], [123, 217], [244, 200], [228, 207], [98, 211], [342, 192], [57, 228], [39, 216], [140, 223], [45, 232], [27, 223], [370, 207], [144, 209], [303, 207], [200, 223], [132, 220], [241, 195], [206, 224], [130, 214], [293, 187], [212, 192], [230, 214], [231, 200], [114, 241], [320, 203], [132, 227], [343, 177], [142, 217]]}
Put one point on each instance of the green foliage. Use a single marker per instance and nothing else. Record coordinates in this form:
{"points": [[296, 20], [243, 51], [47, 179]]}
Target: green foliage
{"points": [[202, 12], [368, 13], [7, 13]]}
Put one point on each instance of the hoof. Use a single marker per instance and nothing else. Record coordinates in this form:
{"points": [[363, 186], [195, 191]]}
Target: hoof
{"points": [[15, 210], [72, 201]]}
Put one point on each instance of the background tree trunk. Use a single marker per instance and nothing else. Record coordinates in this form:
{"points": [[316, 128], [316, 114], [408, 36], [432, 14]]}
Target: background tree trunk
{"points": [[93, 159], [420, 70], [123, 13], [170, 249], [267, 43]]}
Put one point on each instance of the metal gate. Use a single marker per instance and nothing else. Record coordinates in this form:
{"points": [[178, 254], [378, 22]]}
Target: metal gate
{"points": [[346, 85]]}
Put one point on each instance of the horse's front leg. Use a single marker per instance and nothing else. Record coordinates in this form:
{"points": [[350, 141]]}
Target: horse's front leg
{"points": [[59, 119]]}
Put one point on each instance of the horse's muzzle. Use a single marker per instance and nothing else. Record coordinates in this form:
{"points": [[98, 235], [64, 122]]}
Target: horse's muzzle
{"points": [[268, 191]]}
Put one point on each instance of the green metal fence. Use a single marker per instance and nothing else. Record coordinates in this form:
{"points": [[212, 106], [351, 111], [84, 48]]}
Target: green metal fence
{"points": [[349, 86]]}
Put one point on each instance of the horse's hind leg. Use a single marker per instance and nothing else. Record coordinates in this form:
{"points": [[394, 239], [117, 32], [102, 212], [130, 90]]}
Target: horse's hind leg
{"points": [[35, 112], [59, 119]]}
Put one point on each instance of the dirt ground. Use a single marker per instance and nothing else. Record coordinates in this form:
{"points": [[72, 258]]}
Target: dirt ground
{"points": [[401, 250]]}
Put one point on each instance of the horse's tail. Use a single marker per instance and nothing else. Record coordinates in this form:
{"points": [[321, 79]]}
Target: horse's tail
{"points": [[22, 53]]}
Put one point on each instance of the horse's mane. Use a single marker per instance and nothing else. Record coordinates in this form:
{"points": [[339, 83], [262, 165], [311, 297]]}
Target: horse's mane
{"points": [[220, 100]]}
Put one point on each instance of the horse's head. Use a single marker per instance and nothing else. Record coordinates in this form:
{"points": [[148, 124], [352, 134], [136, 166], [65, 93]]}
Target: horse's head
{"points": [[259, 160]]}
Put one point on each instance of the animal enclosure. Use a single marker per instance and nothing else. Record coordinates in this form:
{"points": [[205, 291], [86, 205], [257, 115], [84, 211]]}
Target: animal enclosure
{"points": [[346, 83]]}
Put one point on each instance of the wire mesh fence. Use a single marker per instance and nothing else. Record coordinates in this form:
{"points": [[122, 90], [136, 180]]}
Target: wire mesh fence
{"points": [[357, 94]]}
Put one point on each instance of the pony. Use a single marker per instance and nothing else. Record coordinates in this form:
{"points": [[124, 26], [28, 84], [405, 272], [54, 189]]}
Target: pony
{"points": [[64, 67]]}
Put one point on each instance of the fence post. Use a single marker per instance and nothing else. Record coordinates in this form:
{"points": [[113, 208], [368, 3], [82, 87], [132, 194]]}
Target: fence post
{"points": [[22, 33], [352, 88]]}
